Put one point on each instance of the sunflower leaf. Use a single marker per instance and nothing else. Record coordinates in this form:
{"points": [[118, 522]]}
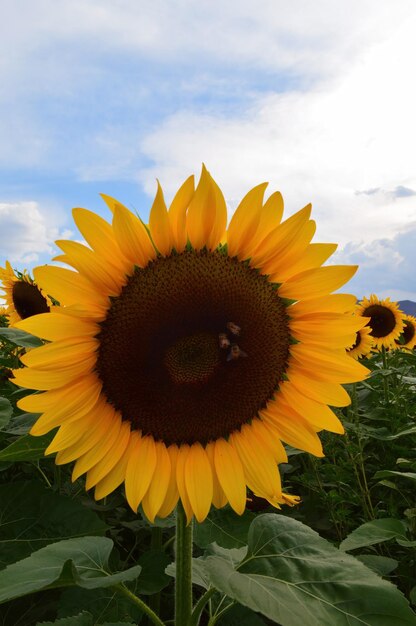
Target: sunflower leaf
{"points": [[20, 338], [38, 516], [82, 562], [225, 528], [26, 448], [6, 411], [374, 532], [293, 576]]}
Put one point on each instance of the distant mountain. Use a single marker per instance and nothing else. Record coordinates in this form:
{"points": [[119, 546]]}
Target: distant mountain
{"points": [[408, 307]]}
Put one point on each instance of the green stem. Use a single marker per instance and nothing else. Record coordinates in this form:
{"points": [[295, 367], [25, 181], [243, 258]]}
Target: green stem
{"points": [[155, 544], [142, 605], [183, 585], [385, 380], [199, 606]]}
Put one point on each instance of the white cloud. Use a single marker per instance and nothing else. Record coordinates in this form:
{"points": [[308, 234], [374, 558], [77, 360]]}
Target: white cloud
{"points": [[324, 145], [27, 231], [386, 266]]}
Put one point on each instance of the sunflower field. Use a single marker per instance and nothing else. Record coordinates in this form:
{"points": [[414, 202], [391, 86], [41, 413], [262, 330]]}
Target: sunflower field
{"points": [[196, 430]]}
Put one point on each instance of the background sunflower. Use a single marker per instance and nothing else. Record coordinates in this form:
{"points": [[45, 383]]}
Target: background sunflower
{"points": [[185, 353], [23, 297], [386, 320]]}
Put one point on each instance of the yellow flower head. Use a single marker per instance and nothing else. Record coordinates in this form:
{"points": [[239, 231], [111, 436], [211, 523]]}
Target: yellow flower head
{"points": [[407, 338], [386, 320], [23, 297], [363, 343], [186, 352]]}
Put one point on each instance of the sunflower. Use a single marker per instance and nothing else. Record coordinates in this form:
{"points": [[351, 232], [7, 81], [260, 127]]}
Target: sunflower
{"points": [[185, 353], [386, 320], [23, 297], [4, 316], [407, 338], [363, 343]]}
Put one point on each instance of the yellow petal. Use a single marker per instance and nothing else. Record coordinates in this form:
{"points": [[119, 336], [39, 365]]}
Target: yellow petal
{"points": [[290, 251], [54, 326], [62, 416], [99, 234], [320, 415], [132, 237], [177, 213], [99, 451], [156, 494], [200, 219], [180, 479], [103, 418], [73, 395], [69, 287], [198, 481], [116, 476], [328, 366], [260, 468], [159, 224], [140, 470], [172, 493], [41, 379], [68, 434], [280, 237], [294, 430], [336, 303], [219, 499], [92, 266], [60, 353], [270, 217], [325, 392], [230, 475], [316, 282], [220, 222], [314, 256], [106, 464], [245, 221]]}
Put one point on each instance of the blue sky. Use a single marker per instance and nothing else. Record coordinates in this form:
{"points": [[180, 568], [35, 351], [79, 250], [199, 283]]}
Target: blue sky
{"points": [[317, 98]]}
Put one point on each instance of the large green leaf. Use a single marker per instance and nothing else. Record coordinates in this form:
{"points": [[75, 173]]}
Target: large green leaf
{"points": [[82, 619], [82, 562], [224, 527], [6, 411], [20, 338], [293, 576], [32, 516], [373, 532], [26, 448], [387, 473], [21, 424], [152, 577], [105, 605]]}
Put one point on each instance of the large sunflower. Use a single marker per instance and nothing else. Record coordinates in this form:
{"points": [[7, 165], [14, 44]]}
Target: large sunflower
{"points": [[408, 337], [386, 320], [186, 353], [23, 297]]}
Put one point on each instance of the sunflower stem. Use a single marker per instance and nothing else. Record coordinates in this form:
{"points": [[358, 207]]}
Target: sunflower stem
{"points": [[142, 605], [183, 587], [200, 605], [385, 380]]}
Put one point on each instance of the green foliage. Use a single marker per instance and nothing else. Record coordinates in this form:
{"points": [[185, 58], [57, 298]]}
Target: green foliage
{"points": [[57, 568], [293, 576]]}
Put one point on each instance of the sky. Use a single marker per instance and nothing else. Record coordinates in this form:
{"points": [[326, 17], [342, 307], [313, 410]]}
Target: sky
{"points": [[317, 98]]}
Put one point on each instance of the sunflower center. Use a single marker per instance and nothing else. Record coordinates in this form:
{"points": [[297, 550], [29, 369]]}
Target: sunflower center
{"points": [[357, 342], [408, 333], [193, 347], [382, 320], [192, 359], [28, 300]]}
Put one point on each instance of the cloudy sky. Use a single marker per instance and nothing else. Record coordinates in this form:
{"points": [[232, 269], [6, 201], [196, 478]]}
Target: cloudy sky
{"points": [[316, 97]]}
